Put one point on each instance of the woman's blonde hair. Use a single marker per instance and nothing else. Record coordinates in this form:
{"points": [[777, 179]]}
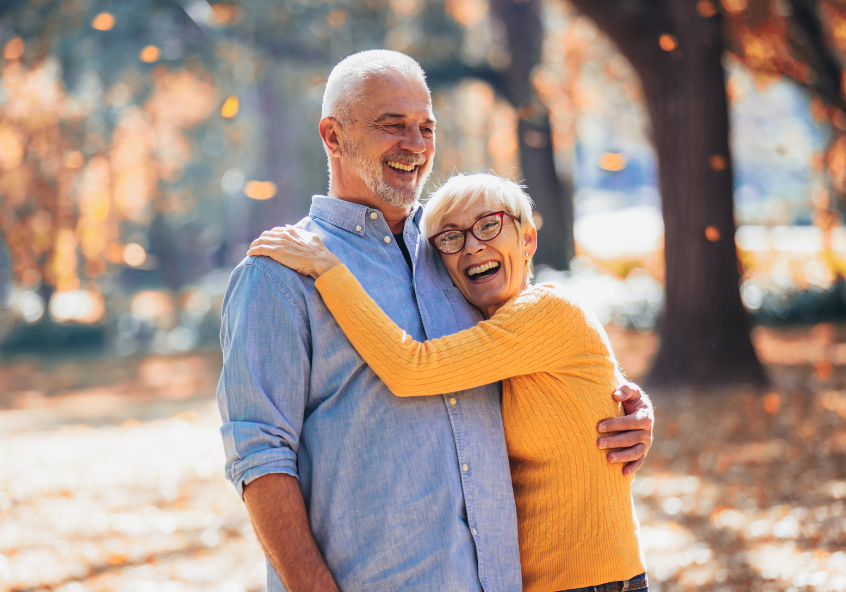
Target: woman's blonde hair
{"points": [[460, 192]]}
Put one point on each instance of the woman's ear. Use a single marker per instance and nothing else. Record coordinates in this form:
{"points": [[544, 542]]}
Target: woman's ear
{"points": [[530, 241], [331, 133]]}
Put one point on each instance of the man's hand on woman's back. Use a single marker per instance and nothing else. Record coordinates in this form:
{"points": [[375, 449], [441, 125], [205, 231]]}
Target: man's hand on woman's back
{"points": [[632, 443]]}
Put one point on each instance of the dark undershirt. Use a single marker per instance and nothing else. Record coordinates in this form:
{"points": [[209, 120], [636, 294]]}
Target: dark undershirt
{"points": [[404, 249]]}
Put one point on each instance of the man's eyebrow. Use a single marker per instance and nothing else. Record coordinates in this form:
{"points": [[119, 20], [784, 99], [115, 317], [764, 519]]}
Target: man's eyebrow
{"points": [[385, 116]]}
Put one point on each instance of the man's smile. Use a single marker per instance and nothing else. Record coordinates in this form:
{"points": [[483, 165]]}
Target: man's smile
{"points": [[401, 166]]}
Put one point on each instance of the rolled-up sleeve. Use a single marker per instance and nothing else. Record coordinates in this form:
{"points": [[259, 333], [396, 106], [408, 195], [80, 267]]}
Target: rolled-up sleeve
{"points": [[263, 386]]}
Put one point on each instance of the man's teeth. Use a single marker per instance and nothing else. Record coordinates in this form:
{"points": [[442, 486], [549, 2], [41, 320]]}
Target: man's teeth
{"points": [[400, 166], [483, 267]]}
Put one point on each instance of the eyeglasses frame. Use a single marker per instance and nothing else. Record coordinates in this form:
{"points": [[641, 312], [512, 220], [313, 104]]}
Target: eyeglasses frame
{"points": [[470, 230]]}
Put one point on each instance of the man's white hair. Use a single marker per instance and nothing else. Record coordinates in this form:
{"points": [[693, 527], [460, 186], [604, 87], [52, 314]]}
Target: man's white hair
{"points": [[345, 86]]}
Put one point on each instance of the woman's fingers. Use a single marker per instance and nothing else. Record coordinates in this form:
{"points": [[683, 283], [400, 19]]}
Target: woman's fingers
{"points": [[624, 439]]}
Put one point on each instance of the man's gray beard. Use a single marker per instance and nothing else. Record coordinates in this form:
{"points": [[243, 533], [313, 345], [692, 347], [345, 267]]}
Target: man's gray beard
{"points": [[371, 174]]}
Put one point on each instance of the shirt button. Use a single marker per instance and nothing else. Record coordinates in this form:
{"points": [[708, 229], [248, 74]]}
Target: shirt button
{"points": [[387, 239], [453, 401], [474, 531], [373, 215], [465, 468], [358, 228]]}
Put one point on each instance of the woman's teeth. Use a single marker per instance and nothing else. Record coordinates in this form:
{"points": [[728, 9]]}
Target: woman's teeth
{"points": [[400, 166], [482, 268]]}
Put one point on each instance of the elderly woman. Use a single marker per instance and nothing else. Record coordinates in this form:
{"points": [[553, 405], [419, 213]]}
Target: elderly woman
{"points": [[576, 523]]}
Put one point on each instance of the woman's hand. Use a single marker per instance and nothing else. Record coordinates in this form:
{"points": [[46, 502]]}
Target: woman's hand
{"points": [[301, 250]]}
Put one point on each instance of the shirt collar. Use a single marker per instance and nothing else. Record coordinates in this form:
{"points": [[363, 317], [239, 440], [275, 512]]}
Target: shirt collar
{"points": [[349, 216]]}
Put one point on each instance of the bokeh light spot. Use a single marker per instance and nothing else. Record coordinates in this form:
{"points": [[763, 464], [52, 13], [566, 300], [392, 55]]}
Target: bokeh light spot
{"points": [[706, 8], [668, 42], [467, 12], [81, 306], [717, 162], [337, 18], [260, 189], [14, 49], [712, 234], [537, 219], [134, 254], [103, 21], [224, 14], [150, 54], [230, 107], [772, 403], [74, 160], [612, 161], [734, 6]]}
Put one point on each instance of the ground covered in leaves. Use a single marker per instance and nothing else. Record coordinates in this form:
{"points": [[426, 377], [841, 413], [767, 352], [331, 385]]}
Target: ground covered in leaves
{"points": [[110, 477]]}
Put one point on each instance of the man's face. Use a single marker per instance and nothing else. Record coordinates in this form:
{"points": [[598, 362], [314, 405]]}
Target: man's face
{"points": [[391, 142]]}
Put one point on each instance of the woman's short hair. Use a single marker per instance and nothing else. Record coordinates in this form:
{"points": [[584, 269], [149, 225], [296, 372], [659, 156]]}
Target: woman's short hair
{"points": [[461, 192]]}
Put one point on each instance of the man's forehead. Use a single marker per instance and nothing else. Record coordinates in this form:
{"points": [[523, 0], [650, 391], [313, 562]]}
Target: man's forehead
{"points": [[393, 95]]}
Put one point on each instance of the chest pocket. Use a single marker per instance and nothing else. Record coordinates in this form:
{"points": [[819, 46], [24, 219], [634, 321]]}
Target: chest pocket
{"points": [[466, 315]]}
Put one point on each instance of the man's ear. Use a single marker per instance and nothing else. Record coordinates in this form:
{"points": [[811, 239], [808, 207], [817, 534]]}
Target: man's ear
{"points": [[332, 135], [530, 240]]}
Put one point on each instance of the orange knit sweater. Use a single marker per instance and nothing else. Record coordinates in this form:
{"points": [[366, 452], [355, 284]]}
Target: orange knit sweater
{"points": [[576, 523]]}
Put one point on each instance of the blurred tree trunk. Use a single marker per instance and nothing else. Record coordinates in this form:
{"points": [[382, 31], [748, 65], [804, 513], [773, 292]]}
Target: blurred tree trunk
{"points": [[553, 197], [677, 55]]}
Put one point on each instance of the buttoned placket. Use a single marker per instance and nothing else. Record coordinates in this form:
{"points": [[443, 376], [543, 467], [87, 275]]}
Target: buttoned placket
{"points": [[452, 403]]}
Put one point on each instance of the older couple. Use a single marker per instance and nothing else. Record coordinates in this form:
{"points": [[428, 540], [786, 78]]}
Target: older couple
{"points": [[362, 462]]}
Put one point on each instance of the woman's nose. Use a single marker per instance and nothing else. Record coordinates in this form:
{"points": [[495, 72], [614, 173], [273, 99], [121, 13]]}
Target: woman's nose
{"points": [[473, 245]]}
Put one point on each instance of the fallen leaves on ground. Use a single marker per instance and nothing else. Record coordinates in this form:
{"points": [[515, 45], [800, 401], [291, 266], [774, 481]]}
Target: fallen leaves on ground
{"points": [[111, 479]]}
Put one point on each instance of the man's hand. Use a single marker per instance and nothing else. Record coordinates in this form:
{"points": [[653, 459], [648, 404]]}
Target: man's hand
{"points": [[636, 429]]}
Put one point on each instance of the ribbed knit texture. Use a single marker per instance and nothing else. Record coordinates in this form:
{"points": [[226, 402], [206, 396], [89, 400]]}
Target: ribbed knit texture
{"points": [[575, 517]]}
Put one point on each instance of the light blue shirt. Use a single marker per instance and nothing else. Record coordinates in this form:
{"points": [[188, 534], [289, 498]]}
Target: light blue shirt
{"points": [[410, 494]]}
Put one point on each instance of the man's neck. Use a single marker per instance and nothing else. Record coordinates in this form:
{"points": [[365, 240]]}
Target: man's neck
{"points": [[395, 216]]}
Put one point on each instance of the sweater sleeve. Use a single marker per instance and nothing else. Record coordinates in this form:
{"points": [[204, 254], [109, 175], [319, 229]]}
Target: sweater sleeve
{"points": [[527, 335]]}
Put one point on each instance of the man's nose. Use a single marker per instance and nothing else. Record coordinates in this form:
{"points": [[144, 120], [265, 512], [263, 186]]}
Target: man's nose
{"points": [[413, 140]]}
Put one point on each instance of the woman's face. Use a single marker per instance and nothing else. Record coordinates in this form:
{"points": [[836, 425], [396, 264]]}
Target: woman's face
{"points": [[489, 273]]}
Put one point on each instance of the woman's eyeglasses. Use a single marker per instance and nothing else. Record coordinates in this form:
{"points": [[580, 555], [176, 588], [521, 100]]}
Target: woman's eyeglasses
{"points": [[485, 228]]}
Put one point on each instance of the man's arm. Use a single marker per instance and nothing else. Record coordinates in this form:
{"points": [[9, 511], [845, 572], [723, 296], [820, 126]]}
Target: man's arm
{"points": [[635, 438], [262, 394], [276, 507]]}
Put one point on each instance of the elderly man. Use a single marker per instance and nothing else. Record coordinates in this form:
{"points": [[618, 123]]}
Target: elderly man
{"points": [[348, 486]]}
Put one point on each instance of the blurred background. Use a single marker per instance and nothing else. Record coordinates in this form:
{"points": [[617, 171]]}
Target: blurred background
{"points": [[688, 164]]}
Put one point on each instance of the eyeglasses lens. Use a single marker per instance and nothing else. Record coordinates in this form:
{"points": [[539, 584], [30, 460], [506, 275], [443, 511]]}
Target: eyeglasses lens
{"points": [[450, 242], [487, 228]]}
